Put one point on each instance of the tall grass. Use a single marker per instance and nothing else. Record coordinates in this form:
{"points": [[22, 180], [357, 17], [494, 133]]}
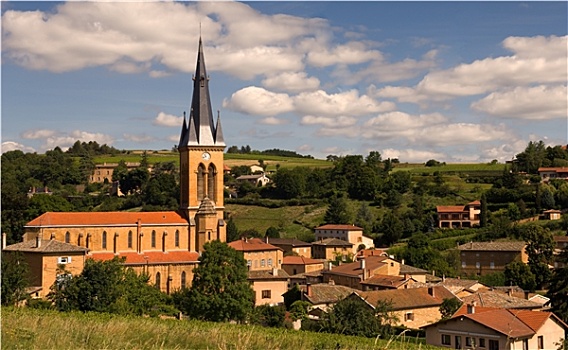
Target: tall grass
{"points": [[40, 329]]}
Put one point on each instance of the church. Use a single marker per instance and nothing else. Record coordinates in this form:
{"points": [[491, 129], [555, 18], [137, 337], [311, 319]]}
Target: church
{"points": [[165, 245]]}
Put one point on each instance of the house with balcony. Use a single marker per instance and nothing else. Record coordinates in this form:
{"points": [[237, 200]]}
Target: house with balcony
{"points": [[552, 173], [459, 216]]}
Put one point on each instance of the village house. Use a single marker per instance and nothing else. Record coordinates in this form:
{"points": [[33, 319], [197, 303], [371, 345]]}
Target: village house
{"points": [[353, 274], [561, 243], [292, 246], [322, 296], [258, 254], [459, 216], [502, 299], [294, 265], [475, 327], [258, 180], [552, 173], [350, 233], [103, 172], [166, 245], [332, 249], [413, 307], [482, 258], [269, 286], [552, 214]]}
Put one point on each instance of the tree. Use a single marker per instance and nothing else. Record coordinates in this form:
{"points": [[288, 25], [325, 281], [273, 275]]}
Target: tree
{"points": [[272, 232], [391, 228], [338, 211], [365, 218], [15, 279], [232, 231], [220, 290], [269, 316], [558, 287], [540, 250], [449, 307], [517, 273]]}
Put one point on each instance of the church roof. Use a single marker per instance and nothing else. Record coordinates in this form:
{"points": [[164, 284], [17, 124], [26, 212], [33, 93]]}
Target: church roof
{"points": [[46, 246], [117, 218], [201, 130]]}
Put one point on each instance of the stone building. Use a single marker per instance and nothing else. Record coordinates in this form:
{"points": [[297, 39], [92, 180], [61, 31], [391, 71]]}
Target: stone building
{"points": [[165, 245]]}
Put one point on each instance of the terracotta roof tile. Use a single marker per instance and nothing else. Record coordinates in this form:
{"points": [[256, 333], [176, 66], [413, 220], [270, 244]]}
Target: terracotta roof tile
{"points": [[300, 260], [403, 299], [268, 275], [502, 321], [151, 257], [354, 269], [500, 300], [51, 219], [323, 293], [385, 281], [450, 208], [288, 241], [333, 242], [339, 227], [251, 245], [512, 246], [47, 246]]}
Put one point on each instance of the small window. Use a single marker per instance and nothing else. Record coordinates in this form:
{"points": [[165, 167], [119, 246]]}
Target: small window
{"points": [[130, 239], [468, 341], [158, 280], [481, 342], [64, 260], [153, 239], [492, 265], [262, 262], [540, 342], [104, 243], [176, 236], [409, 316], [266, 294], [269, 262], [67, 237], [463, 265], [477, 265], [446, 339], [183, 279], [493, 344], [525, 344]]}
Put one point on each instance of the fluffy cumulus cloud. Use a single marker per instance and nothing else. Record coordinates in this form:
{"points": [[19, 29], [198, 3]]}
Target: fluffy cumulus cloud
{"points": [[38, 134], [65, 140], [344, 103], [339, 122], [350, 53], [8, 146], [163, 119], [412, 155], [293, 82], [537, 103], [258, 101], [273, 121]]}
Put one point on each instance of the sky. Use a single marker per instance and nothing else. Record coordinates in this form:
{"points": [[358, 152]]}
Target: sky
{"points": [[462, 82]]}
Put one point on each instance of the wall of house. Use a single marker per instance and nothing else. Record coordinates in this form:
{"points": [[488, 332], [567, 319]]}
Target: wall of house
{"points": [[306, 252], [342, 280], [50, 264], [552, 334], [276, 288], [255, 259], [463, 327], [479, 262], [420, 316]]}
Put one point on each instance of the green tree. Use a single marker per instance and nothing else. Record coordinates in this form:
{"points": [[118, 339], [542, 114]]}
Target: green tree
{"points": [[120, 172], [540, 250], [269, 316], [220, 290], [558, 287], [272, 232], [449, 307], [365, 218], [338, 211], [15, 278], [532, 157], [517, 273], [391, 228], [232, 231]]}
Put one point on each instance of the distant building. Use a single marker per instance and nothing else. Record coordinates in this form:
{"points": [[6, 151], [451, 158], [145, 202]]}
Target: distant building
{"points": [[350, 233], [103, 172], [257, 180], [294, 265], [332, 249], [552, 214], [459, 216], [292, 246], [259, 254], [552, 173], [482, 258]]}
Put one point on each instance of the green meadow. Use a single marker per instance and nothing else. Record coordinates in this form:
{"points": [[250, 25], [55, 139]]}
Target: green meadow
{"points": [[24, 328]]}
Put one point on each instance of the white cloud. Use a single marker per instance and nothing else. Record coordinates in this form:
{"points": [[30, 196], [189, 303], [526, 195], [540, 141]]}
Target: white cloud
{"points": [[536, 103], [331, 122], [305, 148], [8, 146], [344, 103], [66, 140], [400, 121], [350, 53], [163, 119], [258, 101], [411, 155], [291, 82], [273, 121], [38, 134]]}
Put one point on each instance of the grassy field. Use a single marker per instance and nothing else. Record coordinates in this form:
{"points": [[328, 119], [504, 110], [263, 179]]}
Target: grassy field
{"points": [[39, 329]]}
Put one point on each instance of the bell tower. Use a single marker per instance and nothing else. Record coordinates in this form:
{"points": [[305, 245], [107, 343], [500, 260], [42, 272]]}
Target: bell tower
{"points": [[201, 147]]}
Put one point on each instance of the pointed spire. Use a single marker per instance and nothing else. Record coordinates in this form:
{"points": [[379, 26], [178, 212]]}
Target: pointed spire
{"points": [[201, 102], [191, 135], [219, 140], [183, 131]]}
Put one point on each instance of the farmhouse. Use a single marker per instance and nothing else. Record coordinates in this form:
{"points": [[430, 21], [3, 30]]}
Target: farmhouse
{"points": [[459, 216]]}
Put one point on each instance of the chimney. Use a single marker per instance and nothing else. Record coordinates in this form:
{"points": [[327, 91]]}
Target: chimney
{"points": [[266, 239], [274, 272], [4, 241], [309, 289], [510, 292], [364, 270], [331, 282], [431, 291], [471, 307], [470, 244], [329, 265], [402, 262], [38, 242]]}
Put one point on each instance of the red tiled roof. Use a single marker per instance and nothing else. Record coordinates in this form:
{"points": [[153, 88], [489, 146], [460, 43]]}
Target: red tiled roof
{"points": [[450, 208], [46, 246], [51, 219], [403, 299], [502, 321], [385, 281], [371, 252], [251, 245], [300, 260], [504, 246], [555, 169], [500, 300], [474, 203], [354, 269], [333, 242], [339, 227], [151, 257]]}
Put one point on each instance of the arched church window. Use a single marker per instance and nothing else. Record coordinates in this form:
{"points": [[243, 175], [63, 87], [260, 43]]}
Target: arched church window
{"points": [[177, 238], [104, 242], [67, 237], [183, 279], [201, 173], [130, 239], [158, 280], [153, 239], [211, 183]]}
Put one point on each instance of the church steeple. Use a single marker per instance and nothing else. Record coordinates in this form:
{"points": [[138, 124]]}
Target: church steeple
{"points": [[201, 130]]}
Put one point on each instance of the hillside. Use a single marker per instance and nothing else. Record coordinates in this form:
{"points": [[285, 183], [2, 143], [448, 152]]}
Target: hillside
{"points": [[40, 329]]}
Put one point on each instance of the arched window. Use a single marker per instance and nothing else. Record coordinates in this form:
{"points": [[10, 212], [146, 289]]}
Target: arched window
{"points": [[211, 183], [177, 238], [104, 240], [80, 239], [183, 279], [88, 240], [158, 282], [130, 239], [201, 173], [67, 237], [153, 239]]}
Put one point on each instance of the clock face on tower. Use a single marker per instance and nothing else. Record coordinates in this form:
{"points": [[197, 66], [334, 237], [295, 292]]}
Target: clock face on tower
{"points": [[206, 156]]}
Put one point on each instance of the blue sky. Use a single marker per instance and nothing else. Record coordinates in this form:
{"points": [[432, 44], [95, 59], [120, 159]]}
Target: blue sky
{"points": [[452, 81]]}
